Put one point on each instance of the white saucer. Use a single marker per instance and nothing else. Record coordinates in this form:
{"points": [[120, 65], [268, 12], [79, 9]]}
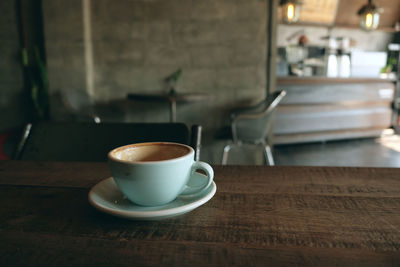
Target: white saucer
{"points": [[106, 197]]}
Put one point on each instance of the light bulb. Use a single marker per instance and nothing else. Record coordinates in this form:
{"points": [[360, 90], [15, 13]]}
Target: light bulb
{"points": [[368, 20], [290, 12]]}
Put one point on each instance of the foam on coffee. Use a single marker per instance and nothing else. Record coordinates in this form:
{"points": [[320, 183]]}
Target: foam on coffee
{"points": [[150, 152]]}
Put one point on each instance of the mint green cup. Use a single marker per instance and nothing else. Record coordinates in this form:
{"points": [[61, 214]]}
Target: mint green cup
{"points": [[154, 174]]}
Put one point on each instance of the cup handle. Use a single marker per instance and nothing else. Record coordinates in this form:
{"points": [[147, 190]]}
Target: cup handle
{"points": [[190, 191]]}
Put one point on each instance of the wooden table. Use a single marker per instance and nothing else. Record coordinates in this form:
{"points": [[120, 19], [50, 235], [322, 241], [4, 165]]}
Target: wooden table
{"points": [[260, 216], [172, 98]]}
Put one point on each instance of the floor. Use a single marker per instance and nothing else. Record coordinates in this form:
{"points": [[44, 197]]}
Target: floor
{"points": [[374, 152]]}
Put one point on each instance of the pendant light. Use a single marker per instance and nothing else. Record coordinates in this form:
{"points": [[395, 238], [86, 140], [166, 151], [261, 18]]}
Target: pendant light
{"points": [[290, 10], [369, 16]]}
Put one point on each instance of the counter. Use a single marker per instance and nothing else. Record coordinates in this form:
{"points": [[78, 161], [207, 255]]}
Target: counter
{"points": [[321, 109], [294, 80]]}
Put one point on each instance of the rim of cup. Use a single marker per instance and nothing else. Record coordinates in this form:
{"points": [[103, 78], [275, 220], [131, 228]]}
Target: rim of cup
{"points": [[113, 158]]}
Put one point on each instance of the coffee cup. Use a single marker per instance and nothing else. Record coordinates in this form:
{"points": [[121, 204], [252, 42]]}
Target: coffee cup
{"points": [[153, 174]]}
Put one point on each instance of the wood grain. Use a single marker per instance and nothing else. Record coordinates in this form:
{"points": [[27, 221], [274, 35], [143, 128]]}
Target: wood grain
{"points": [[324, 216], [347, 13], [320, 109]]}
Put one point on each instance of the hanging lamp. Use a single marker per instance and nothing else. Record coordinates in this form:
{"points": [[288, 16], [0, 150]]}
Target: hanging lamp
{"points": [[290, 10], [369, 16]]}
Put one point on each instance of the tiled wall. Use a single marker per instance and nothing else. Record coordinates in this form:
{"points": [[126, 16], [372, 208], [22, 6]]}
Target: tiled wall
{"points": [[368, 41]]}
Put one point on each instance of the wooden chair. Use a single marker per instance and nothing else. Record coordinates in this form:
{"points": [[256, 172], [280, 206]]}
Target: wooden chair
{"points": [[87, 141]]}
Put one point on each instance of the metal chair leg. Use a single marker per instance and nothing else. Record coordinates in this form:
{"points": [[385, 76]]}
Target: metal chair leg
{"points": [[268, 155], [195, 140], [172, 110], [227, 148], [22, 142]]}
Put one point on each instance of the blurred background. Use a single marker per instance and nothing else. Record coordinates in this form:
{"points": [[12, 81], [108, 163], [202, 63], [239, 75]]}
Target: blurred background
{"points": [[80, 59]]}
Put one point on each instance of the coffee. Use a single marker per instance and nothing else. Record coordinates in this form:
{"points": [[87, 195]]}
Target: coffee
{"points": [[147, 152]]}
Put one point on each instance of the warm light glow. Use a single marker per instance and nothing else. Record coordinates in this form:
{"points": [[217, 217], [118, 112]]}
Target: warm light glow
{"points": [[390, 140], [290, 12], [369, 16], [368, 20]]}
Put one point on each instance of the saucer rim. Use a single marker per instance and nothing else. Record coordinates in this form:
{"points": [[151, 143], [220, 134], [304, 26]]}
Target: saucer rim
{"points": [[153, 214]]}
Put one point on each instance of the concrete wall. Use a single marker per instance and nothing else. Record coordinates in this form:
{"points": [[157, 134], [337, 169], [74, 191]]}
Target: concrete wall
{"points": [[12, 110], [110, 48]]}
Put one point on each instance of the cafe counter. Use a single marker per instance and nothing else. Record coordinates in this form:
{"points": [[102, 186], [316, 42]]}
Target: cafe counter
{"points": [[320, 108]]}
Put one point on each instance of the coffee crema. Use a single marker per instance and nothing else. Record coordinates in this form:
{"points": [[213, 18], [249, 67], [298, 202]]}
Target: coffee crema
{"points": [[148, 152]]}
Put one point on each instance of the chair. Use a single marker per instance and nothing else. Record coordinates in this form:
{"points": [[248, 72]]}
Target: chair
{"points": [[88, 141], [253, 125]]}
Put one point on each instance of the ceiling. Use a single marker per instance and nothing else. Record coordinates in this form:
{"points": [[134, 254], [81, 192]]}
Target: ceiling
{"points": [[343, 13], [347, 10], [319, 11]]}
